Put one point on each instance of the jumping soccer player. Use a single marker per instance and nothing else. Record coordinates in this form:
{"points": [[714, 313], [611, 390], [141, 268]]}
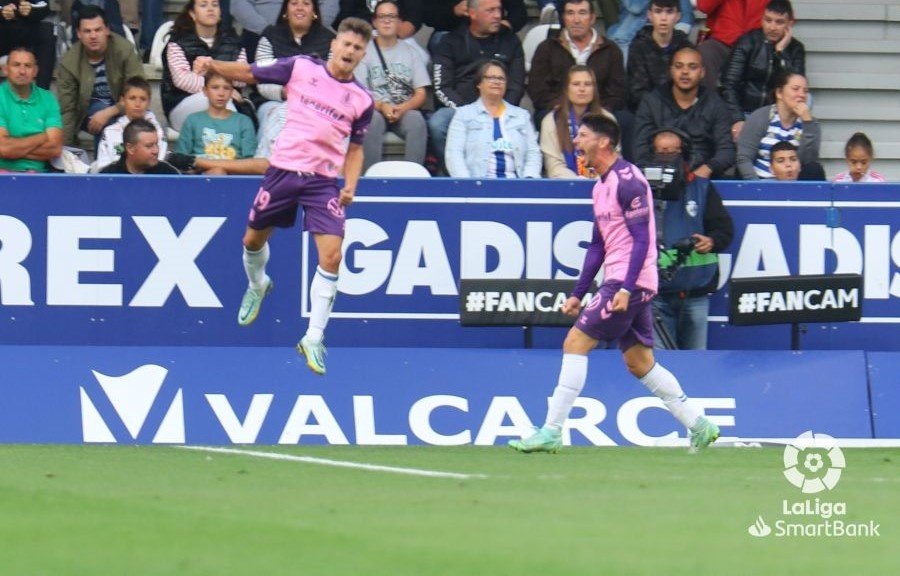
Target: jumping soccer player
{"points": [[625, 239], [326, 106]]}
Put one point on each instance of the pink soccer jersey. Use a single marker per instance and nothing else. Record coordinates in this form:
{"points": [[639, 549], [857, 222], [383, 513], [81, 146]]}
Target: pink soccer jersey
{"points": [[621, 197], [324, 113]]}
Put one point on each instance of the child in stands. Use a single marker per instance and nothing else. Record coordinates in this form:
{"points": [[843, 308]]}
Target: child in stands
{"points": [[218, 133], [135, 100], [859, 153]]}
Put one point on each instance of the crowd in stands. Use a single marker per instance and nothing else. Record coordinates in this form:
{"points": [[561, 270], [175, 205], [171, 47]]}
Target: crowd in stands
{"points": [[739, 95]]}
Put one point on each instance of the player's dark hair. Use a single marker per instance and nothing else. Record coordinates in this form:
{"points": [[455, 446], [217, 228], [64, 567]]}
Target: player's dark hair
{"points": [[600, 124], [136, 83], [135, 128], [859, 140], [356, 26], [781, 7]]}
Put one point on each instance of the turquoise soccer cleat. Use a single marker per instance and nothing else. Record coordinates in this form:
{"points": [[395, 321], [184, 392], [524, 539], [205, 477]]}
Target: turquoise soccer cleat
{"points": [[703, 434], [544, 439], [315, 354], [251, 303]]}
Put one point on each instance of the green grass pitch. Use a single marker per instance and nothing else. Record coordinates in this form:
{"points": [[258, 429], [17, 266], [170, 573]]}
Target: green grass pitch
{"points": [[108, 510]]}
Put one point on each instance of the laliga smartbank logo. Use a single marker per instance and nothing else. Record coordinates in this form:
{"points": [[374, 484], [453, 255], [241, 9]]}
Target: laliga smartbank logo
{"points": [[131, 398], [813, 463]]}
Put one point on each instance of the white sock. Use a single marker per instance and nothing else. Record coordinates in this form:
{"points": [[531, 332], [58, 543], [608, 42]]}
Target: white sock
{"points": [[664, 384], [255, 266], [322, 291], [572, 375]]}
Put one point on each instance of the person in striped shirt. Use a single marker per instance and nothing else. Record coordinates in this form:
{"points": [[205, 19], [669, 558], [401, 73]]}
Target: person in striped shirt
{"points": [[788, 120]]}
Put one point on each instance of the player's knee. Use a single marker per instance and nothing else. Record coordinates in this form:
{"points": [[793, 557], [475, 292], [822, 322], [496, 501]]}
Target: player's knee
{"points": [[253, 241], [330, 260], [577, 342], [639, 360]]}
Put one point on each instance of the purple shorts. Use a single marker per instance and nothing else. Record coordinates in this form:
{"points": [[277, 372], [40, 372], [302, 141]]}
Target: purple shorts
{"points": [[634, 326], [282, 192]]}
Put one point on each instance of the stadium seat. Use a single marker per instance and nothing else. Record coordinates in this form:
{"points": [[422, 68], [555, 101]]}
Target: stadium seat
{"points": [[534, 37], [397, 169], [159, 43], [129, 35]]}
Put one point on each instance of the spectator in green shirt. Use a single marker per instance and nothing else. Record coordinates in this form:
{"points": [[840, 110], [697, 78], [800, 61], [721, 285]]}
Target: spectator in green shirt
{"points": [[30, 122]]}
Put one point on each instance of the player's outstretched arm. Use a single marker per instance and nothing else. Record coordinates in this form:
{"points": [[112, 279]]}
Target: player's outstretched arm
{"points": [[235, 71]]}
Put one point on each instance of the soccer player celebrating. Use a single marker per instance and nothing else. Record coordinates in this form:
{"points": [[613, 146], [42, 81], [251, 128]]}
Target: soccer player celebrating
{"points": [[624, 238], [326, 106]]}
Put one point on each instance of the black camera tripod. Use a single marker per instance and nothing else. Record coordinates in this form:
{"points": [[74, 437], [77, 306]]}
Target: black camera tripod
{"points": [[664, 337]]}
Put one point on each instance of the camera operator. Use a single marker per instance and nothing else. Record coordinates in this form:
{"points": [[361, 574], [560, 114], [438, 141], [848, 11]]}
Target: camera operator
{"points": [[692, 227]]}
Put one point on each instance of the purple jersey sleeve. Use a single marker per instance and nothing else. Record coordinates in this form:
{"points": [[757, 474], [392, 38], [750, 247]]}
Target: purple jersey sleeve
{"points": [[276, 71], [593, 259], [635, 206], [361, 125]]}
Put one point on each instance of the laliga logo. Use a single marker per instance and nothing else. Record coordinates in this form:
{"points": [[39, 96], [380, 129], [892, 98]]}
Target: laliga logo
{"points": [[813, 462], [132, 396]]}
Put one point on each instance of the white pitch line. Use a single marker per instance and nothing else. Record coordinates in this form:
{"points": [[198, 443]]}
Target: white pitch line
{"points": [[338, 463]]}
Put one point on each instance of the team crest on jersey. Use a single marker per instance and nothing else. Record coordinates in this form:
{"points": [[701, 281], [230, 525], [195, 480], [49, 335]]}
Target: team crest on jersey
{"points": [[691, 208], [346, 98], [314, 82]]}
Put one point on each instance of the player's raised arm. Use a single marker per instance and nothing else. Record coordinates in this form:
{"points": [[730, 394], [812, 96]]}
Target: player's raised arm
{"points": [[235, 71]]}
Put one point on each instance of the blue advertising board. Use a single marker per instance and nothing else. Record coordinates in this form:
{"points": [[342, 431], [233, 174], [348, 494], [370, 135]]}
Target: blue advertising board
{"points": [[264, 395], [884, 380], [156, 261]]}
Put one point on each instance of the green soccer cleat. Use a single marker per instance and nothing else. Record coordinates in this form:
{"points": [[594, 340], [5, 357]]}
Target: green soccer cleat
{"points": [[315, 354], [544, 439], [251, 302], [703, 434]]}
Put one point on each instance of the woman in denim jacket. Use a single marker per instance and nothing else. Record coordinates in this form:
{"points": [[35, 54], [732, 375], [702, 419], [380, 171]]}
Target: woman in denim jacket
{"points": [[491, 138]]}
